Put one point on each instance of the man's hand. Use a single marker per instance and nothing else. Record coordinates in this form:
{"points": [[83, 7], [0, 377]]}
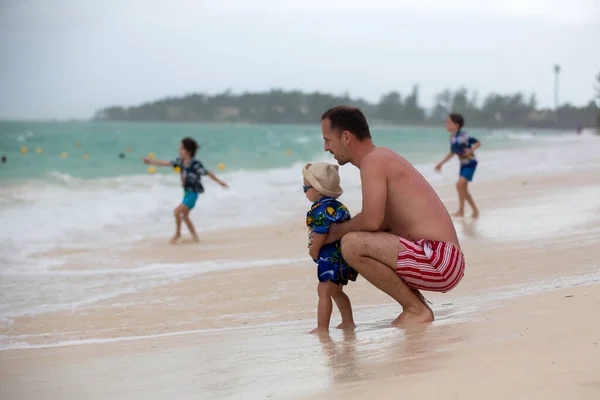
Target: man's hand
{"points": [[224, 185], [335, 233], [438, 167]]}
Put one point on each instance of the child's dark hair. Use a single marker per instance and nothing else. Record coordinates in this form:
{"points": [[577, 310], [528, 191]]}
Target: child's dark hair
{"points": [[457, 119], [190, 145]]}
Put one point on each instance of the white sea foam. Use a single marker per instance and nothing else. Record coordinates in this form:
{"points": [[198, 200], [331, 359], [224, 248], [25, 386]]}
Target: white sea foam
{"points": [[35, 214]]}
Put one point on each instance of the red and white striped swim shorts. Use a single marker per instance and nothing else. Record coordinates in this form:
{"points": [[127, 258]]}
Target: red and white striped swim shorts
{"points": [[430, 265]]}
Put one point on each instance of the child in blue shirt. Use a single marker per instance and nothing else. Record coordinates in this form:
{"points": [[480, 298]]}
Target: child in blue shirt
{"points": [[464, 147], [322, 187], [191, 172]]}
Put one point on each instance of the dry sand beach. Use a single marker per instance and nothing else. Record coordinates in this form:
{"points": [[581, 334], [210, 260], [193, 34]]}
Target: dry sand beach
{"points": [[522, 324]]}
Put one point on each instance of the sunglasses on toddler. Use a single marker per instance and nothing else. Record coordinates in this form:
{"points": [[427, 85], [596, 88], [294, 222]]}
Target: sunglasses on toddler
{"points": [[306, 187]]}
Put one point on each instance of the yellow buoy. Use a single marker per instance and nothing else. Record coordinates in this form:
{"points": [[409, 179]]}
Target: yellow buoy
{"points": [[64, 154], [23, 149], [151, 170], [38, 150], [77, 143], [86, 156], [235, 149], [177, 169], [288, 152], [128, 149], [150, 156], [221, 165]]}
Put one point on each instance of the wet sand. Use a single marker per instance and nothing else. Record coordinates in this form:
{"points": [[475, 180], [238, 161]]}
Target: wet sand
{"points": [[520, 324]]}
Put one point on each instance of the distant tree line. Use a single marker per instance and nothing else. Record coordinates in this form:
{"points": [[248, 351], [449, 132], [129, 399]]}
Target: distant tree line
{"points": [[279, 106], [598, 101]]}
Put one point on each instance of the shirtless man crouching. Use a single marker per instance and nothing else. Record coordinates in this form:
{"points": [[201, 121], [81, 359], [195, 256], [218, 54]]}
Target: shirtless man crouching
{"points": [[403, 240]]}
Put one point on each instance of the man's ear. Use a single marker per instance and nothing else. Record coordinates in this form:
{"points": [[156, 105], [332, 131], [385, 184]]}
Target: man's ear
{"points": [[337, 167], [347, 136], [307, 166]]}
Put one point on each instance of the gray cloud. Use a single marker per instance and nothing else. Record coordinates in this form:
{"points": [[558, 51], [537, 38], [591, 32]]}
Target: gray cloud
{"points": [[68, 58]]}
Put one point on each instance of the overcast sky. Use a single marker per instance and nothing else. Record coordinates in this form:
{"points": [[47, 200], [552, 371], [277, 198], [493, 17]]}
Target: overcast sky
{"points": [[65, 59]]}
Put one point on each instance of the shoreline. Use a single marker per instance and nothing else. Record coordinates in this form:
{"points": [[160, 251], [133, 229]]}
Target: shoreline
{"points": [[473, 309], [198, 285]]}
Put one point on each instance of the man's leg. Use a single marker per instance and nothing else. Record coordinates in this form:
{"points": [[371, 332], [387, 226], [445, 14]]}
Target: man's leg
{"points": [[188, 222], [177, 213], [374, 255]]}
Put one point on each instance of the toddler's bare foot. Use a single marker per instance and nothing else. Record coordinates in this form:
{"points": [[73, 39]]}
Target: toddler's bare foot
{"points": [[475, 214], [319, 329], [458, 214], [175, 239], [195, 239]]}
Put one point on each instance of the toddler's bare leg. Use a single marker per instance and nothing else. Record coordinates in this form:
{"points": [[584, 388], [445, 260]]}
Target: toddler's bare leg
{"points": [[343, 303], [324, 290]]}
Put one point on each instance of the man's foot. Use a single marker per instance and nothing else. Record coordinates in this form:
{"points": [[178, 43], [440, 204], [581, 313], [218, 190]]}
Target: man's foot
{"points": [[319, 330], [475, 214], [175, 239], [458, 214], [420, 315], [410, 318], [195, 239], [346, 326]]}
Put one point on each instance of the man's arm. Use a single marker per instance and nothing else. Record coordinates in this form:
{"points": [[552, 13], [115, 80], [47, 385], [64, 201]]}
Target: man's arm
{"points": [[161, 163], [316, 241], [374, 194]]}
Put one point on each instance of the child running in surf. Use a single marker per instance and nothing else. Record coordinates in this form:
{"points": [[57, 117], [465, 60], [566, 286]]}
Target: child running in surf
{"points": [[322, 187], [192, 172], [464, 147]]}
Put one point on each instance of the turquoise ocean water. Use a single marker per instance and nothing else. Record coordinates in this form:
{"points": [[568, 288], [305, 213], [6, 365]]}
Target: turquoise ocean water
{"points": [[240, 147]]}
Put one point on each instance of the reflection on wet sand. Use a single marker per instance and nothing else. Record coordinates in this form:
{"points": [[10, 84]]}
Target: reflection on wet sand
{"points": [[341, 357], [468, 228], [378, 353]]}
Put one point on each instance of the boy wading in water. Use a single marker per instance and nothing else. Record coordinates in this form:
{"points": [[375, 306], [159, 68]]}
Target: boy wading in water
{"points": [[322, 187], [192, 172]]}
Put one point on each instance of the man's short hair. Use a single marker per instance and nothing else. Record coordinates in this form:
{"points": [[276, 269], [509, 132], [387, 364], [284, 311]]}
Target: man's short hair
{"points": [[348, 118]]}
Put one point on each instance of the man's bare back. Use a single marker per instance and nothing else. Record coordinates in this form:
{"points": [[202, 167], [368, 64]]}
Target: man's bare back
{"points": [[413, 210]]}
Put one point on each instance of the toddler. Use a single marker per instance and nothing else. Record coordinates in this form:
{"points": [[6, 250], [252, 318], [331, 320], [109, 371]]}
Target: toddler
{"points": [[322, 187]]}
